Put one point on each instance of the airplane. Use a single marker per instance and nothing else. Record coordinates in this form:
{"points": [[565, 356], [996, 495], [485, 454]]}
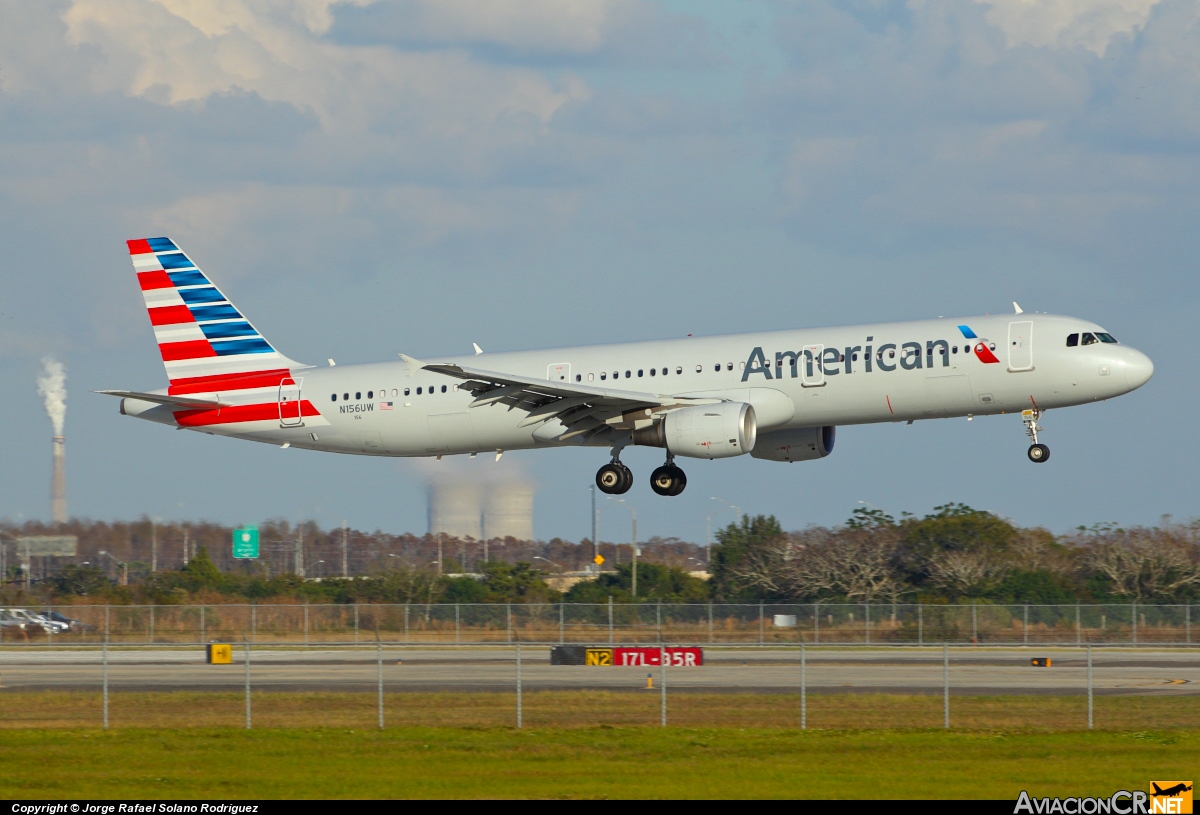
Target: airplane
{"points": [[1170, 792], [773, 395]]}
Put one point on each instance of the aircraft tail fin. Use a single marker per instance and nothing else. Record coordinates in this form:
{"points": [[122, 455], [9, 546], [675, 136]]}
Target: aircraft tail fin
{"points": [[206, 344]]}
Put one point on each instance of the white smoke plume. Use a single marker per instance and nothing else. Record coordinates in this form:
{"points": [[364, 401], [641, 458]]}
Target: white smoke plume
{"points": [[52, 385]]}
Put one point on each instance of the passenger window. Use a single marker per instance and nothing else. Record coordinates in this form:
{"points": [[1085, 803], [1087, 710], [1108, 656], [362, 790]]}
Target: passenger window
{"points": [[370, 394], [603, 376], [333, 398], [358, 394], [678, 370], [578, 377], [1106, 337], [639, 371], [591, 377], [406, 391], [616, 374], [345, 397], [653, 372], [627, 374], [443, 388], [418, 391], [699, 368], [729, 366], [394, 392], [992, 346]]}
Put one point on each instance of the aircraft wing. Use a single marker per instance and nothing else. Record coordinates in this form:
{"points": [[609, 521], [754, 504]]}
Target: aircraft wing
{"points": [[164, 399], [583, 410]]}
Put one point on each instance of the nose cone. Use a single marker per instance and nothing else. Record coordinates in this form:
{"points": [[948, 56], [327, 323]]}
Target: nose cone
{"points": [[1138, 368]]}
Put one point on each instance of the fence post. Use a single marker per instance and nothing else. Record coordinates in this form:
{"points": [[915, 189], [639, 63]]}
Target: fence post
{"points": [[867, 616], [920, 623], [520, 712], [151, 639], [306, 623], [761, 625], [561, 624], [405, 621], [975, 623], [658, 621], [816, 623], [246, 660], [107, 608], [1187, 620], [710, 623], [803, 689], [203, 629], [379, 665], [662, 658], [1078, 627], [1134, 607], [457, 620], [610, 620], [253, 622], [1089, 680], [508, 624], [356, 623], [945, 686], [1025, 625], [104, 669]]}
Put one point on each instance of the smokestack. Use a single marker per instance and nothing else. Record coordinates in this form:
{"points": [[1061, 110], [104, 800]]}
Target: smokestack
{"points": [[52, 386]]}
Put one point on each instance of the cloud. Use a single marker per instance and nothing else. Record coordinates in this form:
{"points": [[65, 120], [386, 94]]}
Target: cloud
{"points": [[1089, 24]]}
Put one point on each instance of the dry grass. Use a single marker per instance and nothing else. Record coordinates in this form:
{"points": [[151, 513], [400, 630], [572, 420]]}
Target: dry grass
{"points": [[588, 708]]}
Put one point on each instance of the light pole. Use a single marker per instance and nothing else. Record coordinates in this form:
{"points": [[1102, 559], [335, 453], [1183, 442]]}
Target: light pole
{"points": [[123, 575], [595, 520], [632, 512], [345, 572], [708, 526]]}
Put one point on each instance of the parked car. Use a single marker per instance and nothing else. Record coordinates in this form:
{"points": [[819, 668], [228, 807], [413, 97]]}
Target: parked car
{"points": [[71, 623], [11, 626], [33, 620]]}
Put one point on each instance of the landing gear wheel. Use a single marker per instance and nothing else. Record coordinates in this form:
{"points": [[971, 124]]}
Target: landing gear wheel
{"points": [[668, 480], [612, 477], [626, 479], [1038, 453]]}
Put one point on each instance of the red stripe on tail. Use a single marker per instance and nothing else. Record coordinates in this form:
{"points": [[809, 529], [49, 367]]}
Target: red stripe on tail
{"points": [[171, 315], [141, 246], [228, 382], [192, 349], [240, 413], [155, 280]]}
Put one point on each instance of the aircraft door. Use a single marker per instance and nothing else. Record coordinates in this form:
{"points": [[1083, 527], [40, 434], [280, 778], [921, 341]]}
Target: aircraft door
{"points": [[559, 372], [1020, 346], [289, 403], [812, 375]]}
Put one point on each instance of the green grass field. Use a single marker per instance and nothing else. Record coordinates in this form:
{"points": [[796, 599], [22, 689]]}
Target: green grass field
{"points": [[589, 762], [581, 744]]}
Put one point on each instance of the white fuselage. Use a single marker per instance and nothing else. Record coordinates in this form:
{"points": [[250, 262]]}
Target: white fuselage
{"points": [[847, 375]]}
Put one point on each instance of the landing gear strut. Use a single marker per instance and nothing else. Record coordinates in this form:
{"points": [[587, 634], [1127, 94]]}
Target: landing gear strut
{"points": [[1038, 453], [614, 478], [668, 479]]}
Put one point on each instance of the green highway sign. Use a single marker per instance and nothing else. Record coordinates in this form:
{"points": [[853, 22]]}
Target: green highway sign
{"points": [[245, 542]]}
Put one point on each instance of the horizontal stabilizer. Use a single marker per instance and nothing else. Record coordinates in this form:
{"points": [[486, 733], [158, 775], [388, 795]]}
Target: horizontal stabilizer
{"points": [[164, 399]]}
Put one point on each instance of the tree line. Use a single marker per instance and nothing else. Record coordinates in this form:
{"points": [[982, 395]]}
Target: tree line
{"points": [[954, 554]]}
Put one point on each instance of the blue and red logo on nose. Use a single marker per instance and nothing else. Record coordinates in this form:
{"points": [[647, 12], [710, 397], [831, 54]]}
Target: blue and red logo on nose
{"points": [[981, 347]]}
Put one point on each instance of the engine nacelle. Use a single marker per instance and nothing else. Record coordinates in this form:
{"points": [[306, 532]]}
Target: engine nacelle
{"points": [[706, 431], [801, 444]]}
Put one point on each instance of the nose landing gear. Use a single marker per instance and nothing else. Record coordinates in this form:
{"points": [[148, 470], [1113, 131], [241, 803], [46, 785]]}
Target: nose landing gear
{"points": [[668, 479], [1038, 453]]}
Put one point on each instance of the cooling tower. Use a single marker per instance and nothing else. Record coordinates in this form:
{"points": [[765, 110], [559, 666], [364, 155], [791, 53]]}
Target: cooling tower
{"points": [[508, 511], [454, 509], [58, 487]]}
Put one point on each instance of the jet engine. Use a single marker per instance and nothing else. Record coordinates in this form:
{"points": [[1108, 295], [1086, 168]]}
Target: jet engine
{"points": [[800, 444], [706, 431]]}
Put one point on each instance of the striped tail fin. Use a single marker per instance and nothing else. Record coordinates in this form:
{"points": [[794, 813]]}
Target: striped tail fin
{"points": [[206, 343]]}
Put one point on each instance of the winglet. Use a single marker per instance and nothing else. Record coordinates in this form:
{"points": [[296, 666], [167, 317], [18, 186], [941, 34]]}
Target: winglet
{"points": [[414, 365], [478, 350], [1017, 309]]}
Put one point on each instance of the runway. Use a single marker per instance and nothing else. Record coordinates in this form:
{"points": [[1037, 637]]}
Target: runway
{"points": [[976, 671]]}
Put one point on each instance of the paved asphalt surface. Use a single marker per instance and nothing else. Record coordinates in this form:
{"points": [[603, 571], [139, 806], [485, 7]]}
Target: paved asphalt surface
{"points": [[741, 670]]}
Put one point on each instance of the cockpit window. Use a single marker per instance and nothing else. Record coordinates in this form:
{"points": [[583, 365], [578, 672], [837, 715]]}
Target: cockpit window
{"points": [[1089, 339], [1072, 340], [1106, 337]]}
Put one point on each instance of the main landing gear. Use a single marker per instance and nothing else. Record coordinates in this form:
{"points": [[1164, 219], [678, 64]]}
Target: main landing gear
{"points": [[1038, 453], [668, 479], [615, 478]]}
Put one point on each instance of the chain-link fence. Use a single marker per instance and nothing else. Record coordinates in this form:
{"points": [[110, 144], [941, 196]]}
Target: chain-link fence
{"points": [[797, 686], [713, 623]]}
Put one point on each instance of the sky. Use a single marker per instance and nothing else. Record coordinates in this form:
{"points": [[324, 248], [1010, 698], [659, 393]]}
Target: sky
{"points": [[373, 177]]}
